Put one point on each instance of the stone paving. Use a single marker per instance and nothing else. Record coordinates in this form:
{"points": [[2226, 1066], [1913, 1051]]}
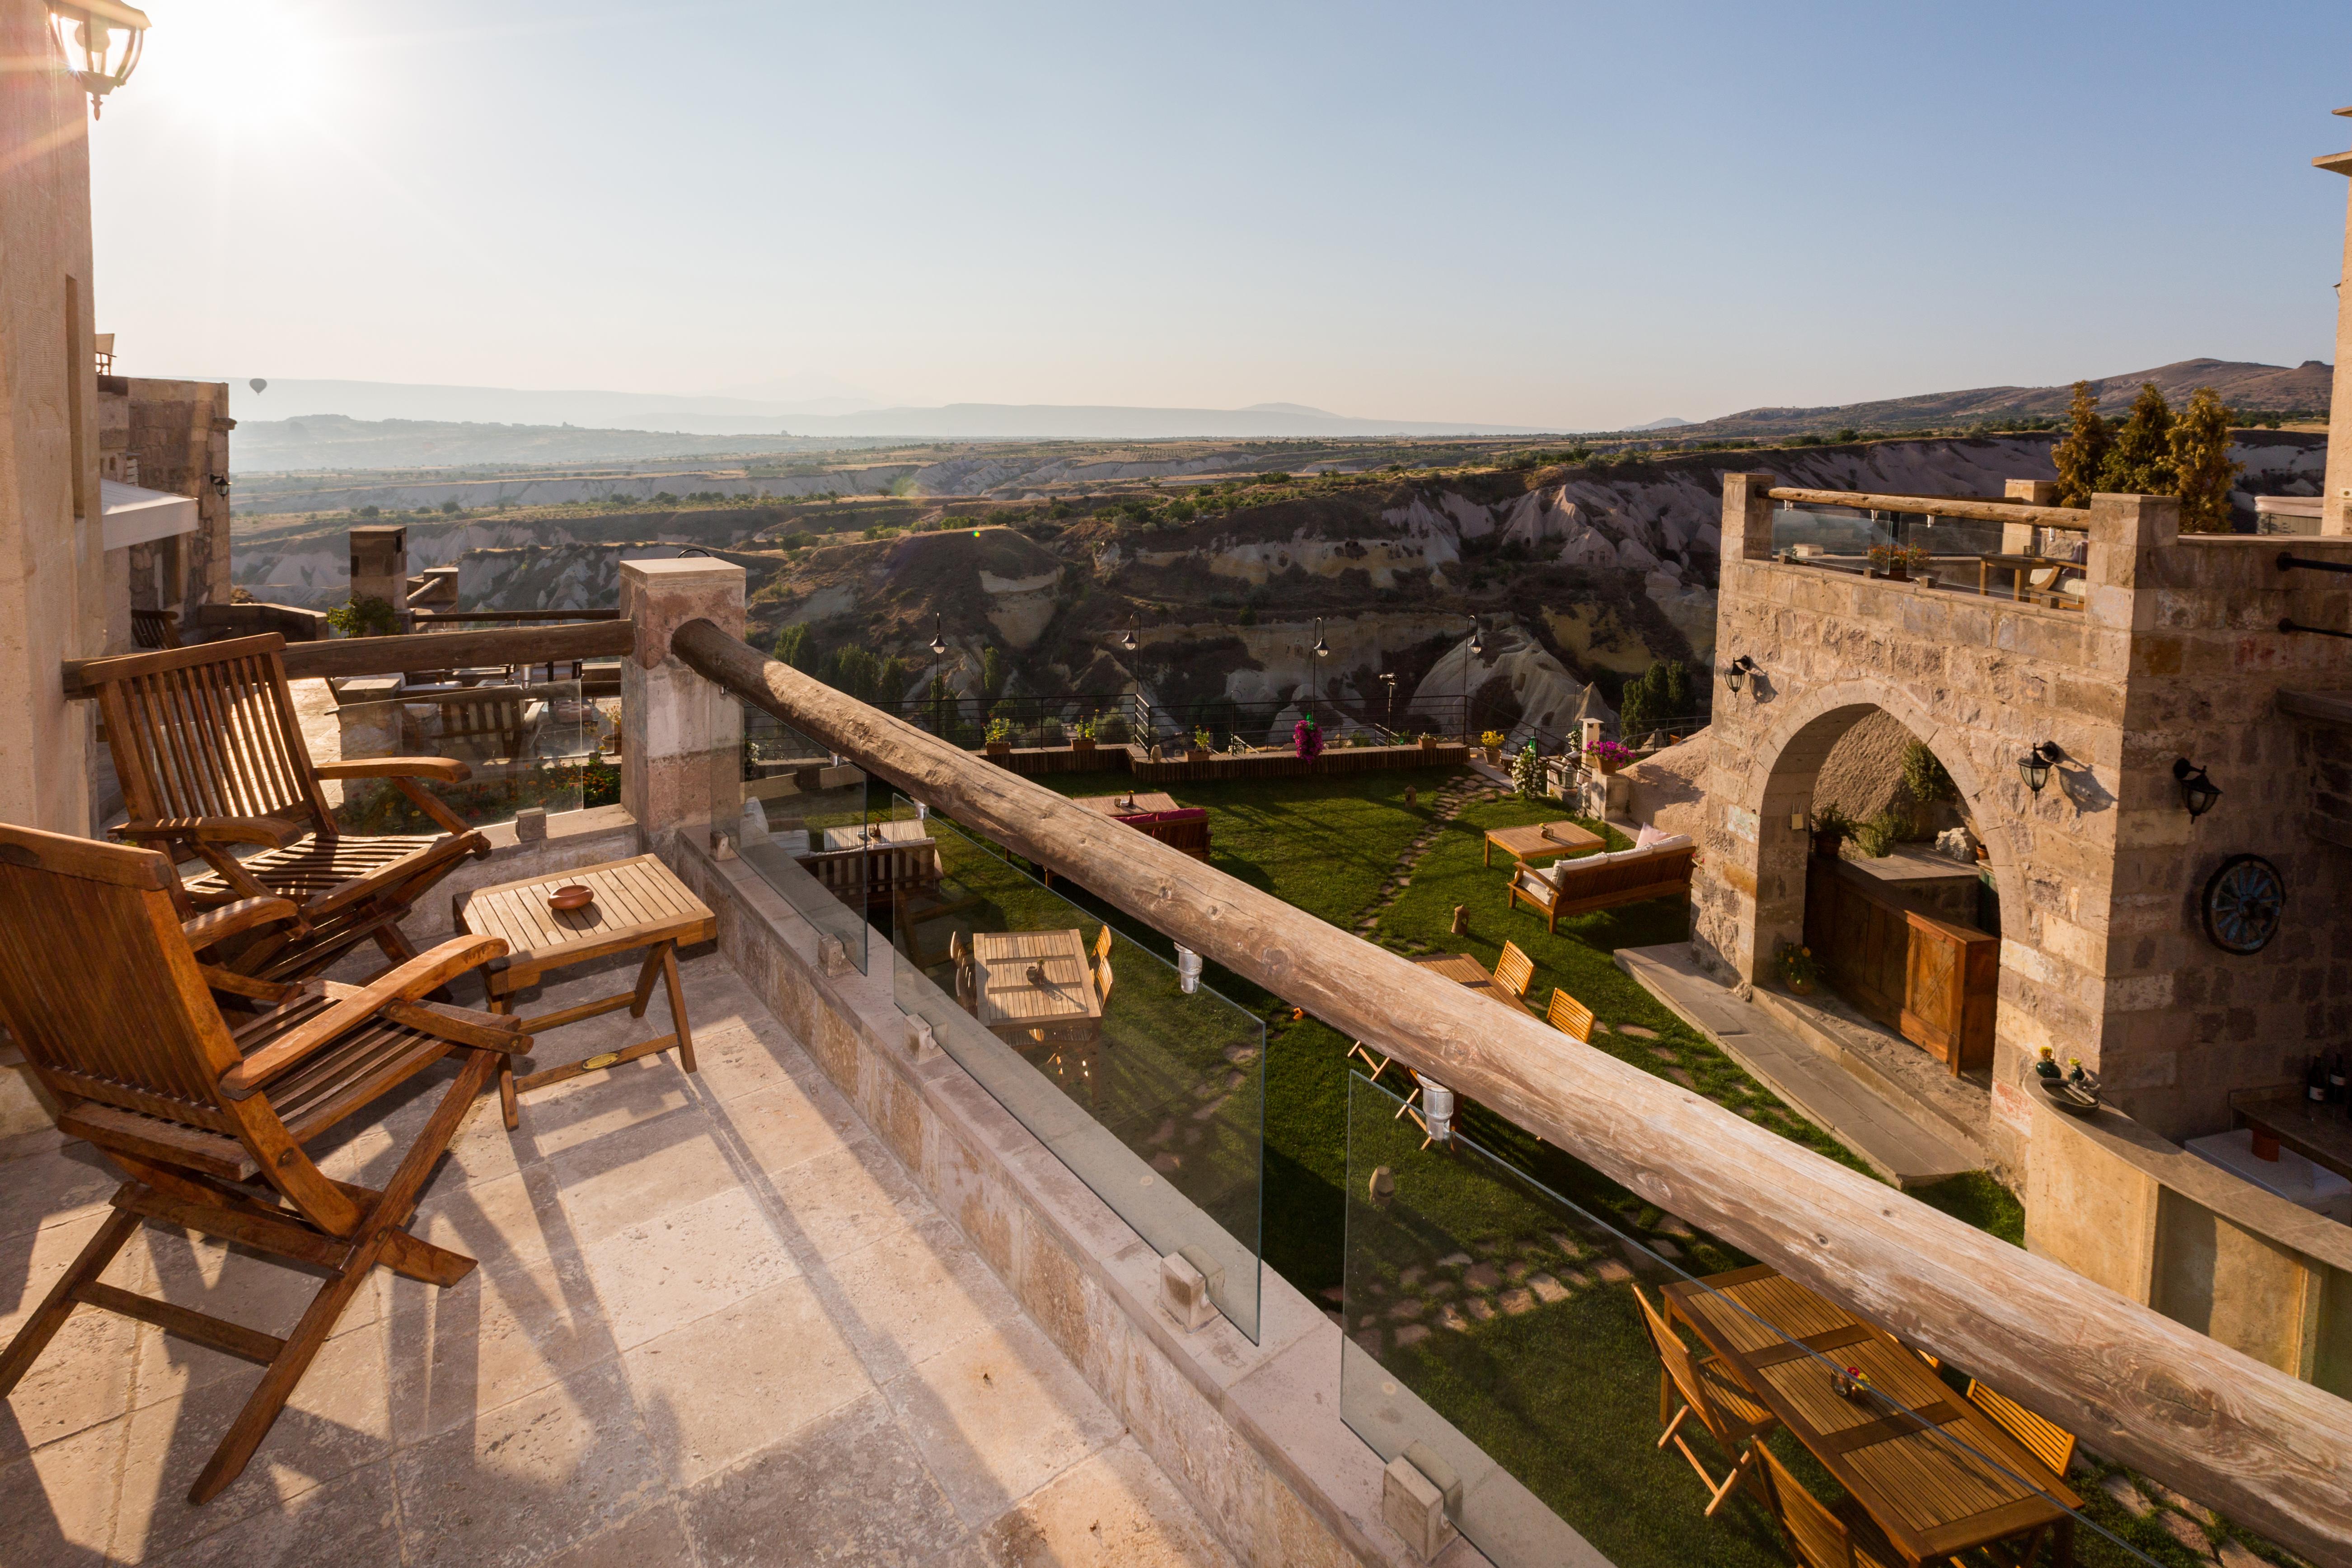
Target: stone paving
{"points": [[715, 1324]]}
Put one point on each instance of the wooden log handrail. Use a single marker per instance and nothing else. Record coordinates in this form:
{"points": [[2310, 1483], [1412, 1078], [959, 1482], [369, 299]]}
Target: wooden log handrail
{"points": [[2065, 517], [444, 617], [2273, 1453], [435, 650]]}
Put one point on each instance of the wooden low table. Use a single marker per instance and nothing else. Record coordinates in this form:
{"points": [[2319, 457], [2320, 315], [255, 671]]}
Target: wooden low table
{"points": [[1062, 1005], [638, 903], [1539, 842], [1940, 1481]]}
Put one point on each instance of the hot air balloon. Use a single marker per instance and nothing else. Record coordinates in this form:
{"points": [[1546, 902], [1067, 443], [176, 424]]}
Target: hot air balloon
{"points": [[257, 383]]}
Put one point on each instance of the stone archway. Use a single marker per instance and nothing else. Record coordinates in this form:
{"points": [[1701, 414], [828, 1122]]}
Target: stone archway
{"points": [[1789, 761]]}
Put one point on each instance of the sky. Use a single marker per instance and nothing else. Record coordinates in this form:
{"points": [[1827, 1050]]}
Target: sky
{"points": [[1566, 215]]}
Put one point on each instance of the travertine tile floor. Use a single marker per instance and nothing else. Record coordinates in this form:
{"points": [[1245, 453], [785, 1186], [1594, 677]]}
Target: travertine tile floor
{"points": [[714, 1323]]}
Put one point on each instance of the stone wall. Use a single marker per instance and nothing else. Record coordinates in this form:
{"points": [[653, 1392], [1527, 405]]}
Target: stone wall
{"points": [[2176, 653], [172, 435]]}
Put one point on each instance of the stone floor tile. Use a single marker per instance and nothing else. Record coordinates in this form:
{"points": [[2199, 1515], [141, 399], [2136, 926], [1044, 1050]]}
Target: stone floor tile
{"points": [[83, 1379], [688, 1263], [848, 1489], [55, 1186], [850, 1198], [1115, 1509], [338, 1420], [788, 1122], [511, 1218], [249, 1288], [920, 1292], [653, 1538], [725, 1386], [350, 1522], [999, 1416], [735, 1058], [581, 1109], [57, 1504], [496, 1336], [521, 1482], [32, 1261], [638, 1173]]}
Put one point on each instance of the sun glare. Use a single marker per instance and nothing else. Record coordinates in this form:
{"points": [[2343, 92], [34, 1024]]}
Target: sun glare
{"points": [[245, 64]]}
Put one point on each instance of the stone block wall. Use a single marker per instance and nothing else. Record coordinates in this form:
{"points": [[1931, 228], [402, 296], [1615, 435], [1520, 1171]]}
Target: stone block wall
{"points": [[172, 435], [2176, 653]]}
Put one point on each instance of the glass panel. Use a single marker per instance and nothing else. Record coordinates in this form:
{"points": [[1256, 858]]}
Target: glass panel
{"points": [[1949, 552], [1494, 1337], [1153, 1094], [533, 743], [797, 815]]}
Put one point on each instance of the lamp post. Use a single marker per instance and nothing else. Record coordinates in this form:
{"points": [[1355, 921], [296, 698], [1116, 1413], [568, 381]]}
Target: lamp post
{"points": [[86, 30], [939, 648], [1478, 652], [1321, 650], [1388, 678]]}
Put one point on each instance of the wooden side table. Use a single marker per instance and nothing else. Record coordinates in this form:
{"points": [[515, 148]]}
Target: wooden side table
{"points": [[638, 903]]}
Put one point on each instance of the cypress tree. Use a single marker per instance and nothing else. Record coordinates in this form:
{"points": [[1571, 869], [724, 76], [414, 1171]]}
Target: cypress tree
{"points": [[2140, 462], [793, 646], [2083, 452], [2200, 456]]}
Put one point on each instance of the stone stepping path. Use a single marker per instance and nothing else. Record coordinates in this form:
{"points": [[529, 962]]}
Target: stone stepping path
{"points": [[1447, 803]]}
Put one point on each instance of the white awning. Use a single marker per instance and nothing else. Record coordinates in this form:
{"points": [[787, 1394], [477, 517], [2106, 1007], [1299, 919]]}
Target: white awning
{"points": [[134, 516], [2289, 506]]}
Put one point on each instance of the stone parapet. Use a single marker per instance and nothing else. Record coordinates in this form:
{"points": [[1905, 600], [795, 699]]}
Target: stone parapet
{"points": [[674, 733]]}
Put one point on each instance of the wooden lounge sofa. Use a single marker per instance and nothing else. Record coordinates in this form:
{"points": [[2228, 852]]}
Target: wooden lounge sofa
{"points": [[1605, 882], [1185, 830]]}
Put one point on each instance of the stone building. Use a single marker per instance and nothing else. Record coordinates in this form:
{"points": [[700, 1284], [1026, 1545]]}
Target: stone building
{"points": [[170, 436]]}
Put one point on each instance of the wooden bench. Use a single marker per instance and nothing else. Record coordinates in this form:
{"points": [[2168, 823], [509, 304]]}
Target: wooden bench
{"points": [[1605, 882], [894, 869]]}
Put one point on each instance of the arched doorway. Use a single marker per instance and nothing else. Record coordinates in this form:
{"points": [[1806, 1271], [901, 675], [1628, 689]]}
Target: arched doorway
{"points": [[1910, 941]]}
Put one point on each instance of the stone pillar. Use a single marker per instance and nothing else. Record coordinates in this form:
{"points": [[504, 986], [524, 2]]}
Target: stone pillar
{"points": [[380, 568], [2017, 538], [678, 746], [2336, 511], [1746, 517], [2126, 534]]}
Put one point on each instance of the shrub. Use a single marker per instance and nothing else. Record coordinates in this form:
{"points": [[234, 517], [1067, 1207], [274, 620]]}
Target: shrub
{"points": [[369, 617], [1878, 836], [1924, 777]]}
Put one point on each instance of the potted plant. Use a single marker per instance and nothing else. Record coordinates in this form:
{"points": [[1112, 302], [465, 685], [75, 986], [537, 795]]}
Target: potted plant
{"points": [[1608, 756], [1799, 970], [1307, 737], [1914, 561], [1082, 736], [999, 741], [1492, 743], [1203, 743], [1831, 827], [1884, 562], [1425, 740]]}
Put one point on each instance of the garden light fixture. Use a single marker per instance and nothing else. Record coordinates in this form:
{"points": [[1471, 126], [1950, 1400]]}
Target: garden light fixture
{"points": [[1134, 624], [939, 640], [87, 30], [2035, 765], [2198, 793]]}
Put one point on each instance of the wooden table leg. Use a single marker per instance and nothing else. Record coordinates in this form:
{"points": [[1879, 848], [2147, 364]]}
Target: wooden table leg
{"points": [[1487, 852], [507, 1105], [646, 973], [677, 1006]]}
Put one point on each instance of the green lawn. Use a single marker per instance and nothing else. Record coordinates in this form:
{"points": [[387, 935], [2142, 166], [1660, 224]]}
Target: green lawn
{"points": [[1562, 1392]]}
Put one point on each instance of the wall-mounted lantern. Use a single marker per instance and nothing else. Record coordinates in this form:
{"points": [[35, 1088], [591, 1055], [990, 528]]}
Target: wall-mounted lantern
{"points": [[102, 39], [2035, 765], [2198, 793], [219, 483], [1736, 673]]}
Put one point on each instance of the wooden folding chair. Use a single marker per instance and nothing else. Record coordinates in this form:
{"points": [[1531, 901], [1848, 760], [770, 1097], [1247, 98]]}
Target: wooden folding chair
{"points": [[211, 756], [1732, 1415], [1569, 1017], [100, 987], [1817, 1536], [1102, 944], [1378, 1064], [1515, 971]]}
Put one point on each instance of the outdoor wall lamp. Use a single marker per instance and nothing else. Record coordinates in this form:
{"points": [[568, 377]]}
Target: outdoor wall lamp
{"points": [[938, 640], [219, 483], [87, 30], [1736, 674], [1134, 624], [2035, 765], [2198, 793]]}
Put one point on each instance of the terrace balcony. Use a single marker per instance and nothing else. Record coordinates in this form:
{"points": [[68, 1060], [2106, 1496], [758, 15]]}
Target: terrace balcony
{"points": [[890, 1278]]}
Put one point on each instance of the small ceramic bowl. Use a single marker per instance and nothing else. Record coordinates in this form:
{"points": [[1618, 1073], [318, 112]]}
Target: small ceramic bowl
{"points": [[574, 897]]}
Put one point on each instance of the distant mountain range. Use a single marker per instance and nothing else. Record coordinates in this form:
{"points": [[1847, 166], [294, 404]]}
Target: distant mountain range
{"points": [[825, 417], [2248, 387]]}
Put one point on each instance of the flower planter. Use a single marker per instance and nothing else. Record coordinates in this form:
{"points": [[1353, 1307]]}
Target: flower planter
{"points": [[1428, 743], [1800, 987], [1083, 745], [1607, 766], [999, 750], [1898, 574], [1494, 755], [1195, 754]]}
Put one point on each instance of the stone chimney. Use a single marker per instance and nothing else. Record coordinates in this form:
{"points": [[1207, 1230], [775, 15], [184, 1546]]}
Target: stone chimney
{"points": [[2336, 512]]}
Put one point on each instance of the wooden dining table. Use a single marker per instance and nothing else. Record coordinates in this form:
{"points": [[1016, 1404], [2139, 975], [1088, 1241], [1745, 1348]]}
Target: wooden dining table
{"points": [[1470, 975], [1058, 1003], [1938, 1474], [1154, 800]]}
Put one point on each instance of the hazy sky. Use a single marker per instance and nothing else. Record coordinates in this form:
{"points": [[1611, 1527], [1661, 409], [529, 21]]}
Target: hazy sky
{"points": [[1567, 214]]}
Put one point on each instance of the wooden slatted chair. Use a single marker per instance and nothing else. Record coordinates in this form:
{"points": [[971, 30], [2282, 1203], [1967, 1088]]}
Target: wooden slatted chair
{"points": [[1515, 971], [1569, 1017], [209, 1122], [1730, 1415], [211, 756], [1819, 1537], [2045, 1440], [154, 628]]}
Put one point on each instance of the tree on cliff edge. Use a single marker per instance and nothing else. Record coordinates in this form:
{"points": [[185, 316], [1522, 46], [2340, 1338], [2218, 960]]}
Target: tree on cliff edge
{"points": [[2200, 456], [2083, 452], [2140, 462]]}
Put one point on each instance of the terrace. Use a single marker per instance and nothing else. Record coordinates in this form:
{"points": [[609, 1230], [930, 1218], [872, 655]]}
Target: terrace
{"points": [[1152, 1278]]}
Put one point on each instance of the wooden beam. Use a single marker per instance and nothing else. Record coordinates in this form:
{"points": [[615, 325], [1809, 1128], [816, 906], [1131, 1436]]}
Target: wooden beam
{"points": [[433, 618], [1939, 506], [2270, 1452], [437, 650]]}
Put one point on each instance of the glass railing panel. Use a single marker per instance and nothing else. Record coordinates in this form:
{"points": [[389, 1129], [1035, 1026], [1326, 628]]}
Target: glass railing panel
{"points": [[1141, 1080], [1495, 1336], [524, 744], [798, 815]]}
